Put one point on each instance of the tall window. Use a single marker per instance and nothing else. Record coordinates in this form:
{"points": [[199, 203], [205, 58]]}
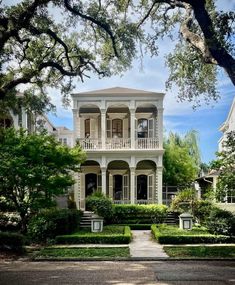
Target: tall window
{"points": [[87, 128], [142, 128], [117, 128]]}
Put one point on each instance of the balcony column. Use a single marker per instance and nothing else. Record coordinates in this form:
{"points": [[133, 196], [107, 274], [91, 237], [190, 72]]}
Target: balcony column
{"points": [[132, 112], [103, 180], [159, 184], [103, 127], [76, 126], [132, 188], [160, 127]]}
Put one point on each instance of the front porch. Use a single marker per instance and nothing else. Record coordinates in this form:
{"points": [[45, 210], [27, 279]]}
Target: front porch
{"points": [[124, 185]]}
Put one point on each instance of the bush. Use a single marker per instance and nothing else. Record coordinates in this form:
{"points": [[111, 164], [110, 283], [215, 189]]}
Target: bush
{"points": [[221, 222], [87, 238], [11, 241], [187, 238], [50, 223], [139, 214], [202, 210], [101, 205], [9, 222]]}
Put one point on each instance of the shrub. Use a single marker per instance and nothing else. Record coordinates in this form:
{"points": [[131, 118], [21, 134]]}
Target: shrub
{"points": [[202, 210], [11, 241], [139, 214], [221, 222], [187, 237], [9, 221], [87, 238], [101, 205], [50, 223]]}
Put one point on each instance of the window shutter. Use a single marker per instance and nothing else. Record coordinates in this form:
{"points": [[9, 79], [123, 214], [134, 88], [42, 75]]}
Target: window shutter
{"points": [[108, 128], [99, 183], [126, 187], [93, 128], [125, 128], [150, 187], [150, 128]]}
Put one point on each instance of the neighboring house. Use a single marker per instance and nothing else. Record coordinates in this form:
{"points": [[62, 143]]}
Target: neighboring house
{"points": [[121, 130], [64, 135]]}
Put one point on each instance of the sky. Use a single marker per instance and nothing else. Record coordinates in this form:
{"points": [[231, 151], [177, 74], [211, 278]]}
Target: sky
{"points": [[178, 117]]}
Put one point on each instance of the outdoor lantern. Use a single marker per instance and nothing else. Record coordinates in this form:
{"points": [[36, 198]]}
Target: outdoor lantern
{"points": [[97, 224], [186, 221]]}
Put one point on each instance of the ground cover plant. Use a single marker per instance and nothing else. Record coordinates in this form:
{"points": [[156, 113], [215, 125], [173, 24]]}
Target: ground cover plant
{"points": [[166, 234], [97, 252], [110, 234], [200, 251]]}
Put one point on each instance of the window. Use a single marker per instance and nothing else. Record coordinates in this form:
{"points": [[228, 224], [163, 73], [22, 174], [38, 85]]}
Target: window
{"points": [[87, 127], [142, 128], [65, 141], [117, 128]]}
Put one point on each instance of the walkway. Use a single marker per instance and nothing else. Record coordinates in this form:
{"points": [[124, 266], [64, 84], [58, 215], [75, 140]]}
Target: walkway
{"points": [[143, 245]]}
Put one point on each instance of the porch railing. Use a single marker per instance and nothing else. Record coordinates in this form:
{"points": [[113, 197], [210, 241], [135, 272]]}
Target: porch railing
{"points": [[118, 143], [121, 202], [147, 143], [90, 143]]}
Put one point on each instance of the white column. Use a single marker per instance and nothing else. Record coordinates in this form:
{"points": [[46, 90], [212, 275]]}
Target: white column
{"points": [[159, 184], [103, 180], [132, 112], [160, 126], [110, 186], [76, 125], [103, 127], [132, 189]]}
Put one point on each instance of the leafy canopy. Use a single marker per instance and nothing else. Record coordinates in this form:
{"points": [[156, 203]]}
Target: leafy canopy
{"points": [[33, 168]]}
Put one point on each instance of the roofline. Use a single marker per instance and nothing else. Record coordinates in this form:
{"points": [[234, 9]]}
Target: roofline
{"points": [[223, 126]]}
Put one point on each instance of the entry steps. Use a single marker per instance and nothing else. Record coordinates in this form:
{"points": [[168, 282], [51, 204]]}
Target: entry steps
{"points": [[172, 218]]}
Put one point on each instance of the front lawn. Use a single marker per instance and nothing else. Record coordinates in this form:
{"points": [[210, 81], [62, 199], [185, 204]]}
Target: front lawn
{"points": [[96, 252], [166, 234], [200, 251], [110, 235]]}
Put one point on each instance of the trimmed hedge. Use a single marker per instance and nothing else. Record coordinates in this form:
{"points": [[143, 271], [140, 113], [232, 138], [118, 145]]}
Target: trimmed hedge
{"points": [[11, 241], [188, 238], [50, 223], [139, 214], [124, 238]]}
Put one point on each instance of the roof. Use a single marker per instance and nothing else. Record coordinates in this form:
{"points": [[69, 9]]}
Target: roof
{"points": [[118, 90]]}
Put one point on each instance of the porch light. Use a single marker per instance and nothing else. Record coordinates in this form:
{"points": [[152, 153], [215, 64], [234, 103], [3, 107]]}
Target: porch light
{"points": [[97, 223], [186, 221]]}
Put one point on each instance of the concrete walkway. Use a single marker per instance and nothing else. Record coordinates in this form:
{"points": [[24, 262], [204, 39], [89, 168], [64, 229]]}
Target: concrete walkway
{"points": [[143, 245]]}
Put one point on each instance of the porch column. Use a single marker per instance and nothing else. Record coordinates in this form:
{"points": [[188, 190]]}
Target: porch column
{"points": [[103, 180], [132, 112], [76, 125], [82, 191], [110, 186], [132, 188], [103, 127], [160, 127], [159, 184]]}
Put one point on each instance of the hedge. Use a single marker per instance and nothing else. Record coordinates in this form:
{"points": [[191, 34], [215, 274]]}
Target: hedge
{"points": [[139, 214], [189, 239], [88, 238], [50, 223], [11, 241]]}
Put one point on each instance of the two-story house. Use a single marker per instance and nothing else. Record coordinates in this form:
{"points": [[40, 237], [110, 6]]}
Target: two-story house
{"points": [[121, 130]]}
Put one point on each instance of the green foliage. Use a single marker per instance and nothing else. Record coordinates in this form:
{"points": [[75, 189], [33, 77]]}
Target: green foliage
{"points": [[169, 235], [139, 214], [9, 222], [50, 223], [185, 201], [33, 168], [11, 241], [181, 159], [226, 167], [101, 205], [96, 238], [202, 210], [221, 222]]}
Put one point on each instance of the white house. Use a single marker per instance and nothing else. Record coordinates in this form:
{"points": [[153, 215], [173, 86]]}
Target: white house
{"points": [[121, 130]]}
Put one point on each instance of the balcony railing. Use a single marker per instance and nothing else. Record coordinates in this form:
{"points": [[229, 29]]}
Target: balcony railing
{"points": [[118, 143]]}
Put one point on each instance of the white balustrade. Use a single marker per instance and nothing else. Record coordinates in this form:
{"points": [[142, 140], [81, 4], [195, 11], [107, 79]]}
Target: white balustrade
{"points": [[90, 144], [147, 143], [118, 202], [118, 143]]}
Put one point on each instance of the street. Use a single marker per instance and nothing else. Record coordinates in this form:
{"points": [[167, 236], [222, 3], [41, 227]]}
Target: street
{"points": [[107, 272]]}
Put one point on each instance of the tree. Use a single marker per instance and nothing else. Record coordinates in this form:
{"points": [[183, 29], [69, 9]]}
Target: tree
{"points": [[33, 168], [103, 37], [181, 159], [225, 164]]}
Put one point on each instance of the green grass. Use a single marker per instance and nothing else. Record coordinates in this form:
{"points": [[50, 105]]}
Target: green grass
{"points": [[97, 252], [200, 251]]}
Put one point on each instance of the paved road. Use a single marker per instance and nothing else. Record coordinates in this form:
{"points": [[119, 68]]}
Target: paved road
{"points": [[118, 273]]}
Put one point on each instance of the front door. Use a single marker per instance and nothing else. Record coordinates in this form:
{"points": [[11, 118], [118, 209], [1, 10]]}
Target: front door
{"points": [[117, 187], [90, 183], [142, 187]]}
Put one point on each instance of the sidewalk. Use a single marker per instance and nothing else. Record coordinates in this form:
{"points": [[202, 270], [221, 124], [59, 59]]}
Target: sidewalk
{"points": [[142, 245]]}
